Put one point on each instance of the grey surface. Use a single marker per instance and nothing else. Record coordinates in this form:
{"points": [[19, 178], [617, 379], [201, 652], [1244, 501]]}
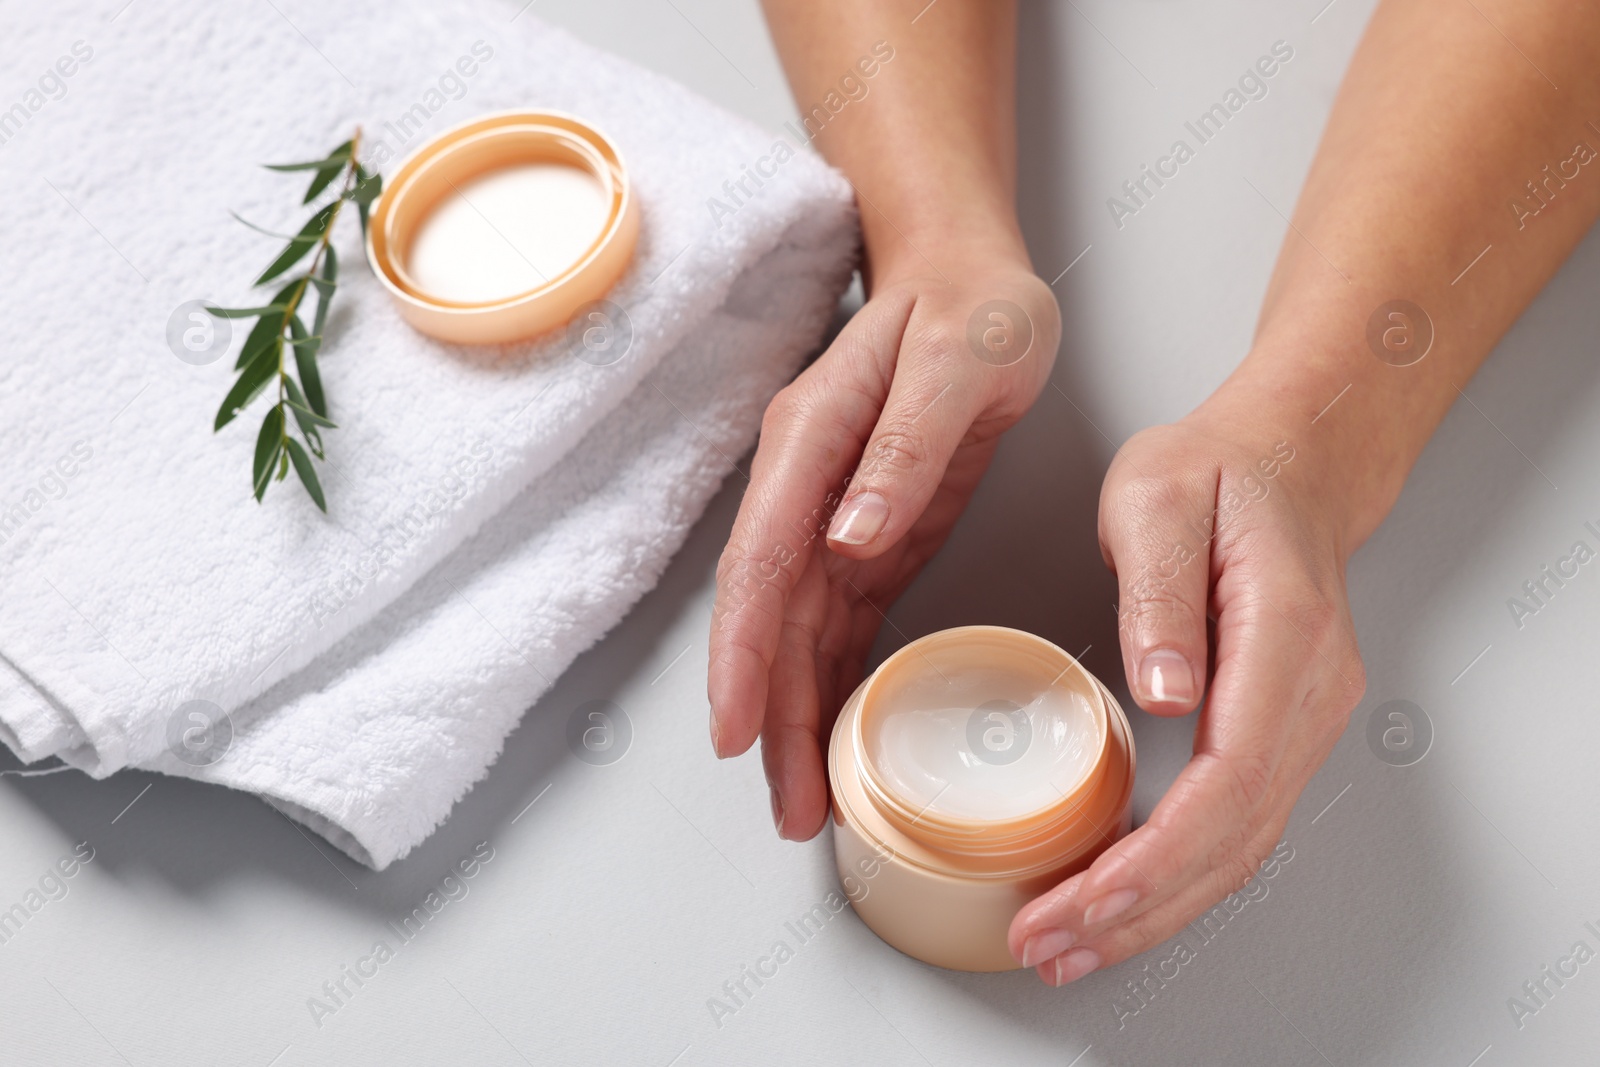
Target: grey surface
{"points": [[1419, 898]]}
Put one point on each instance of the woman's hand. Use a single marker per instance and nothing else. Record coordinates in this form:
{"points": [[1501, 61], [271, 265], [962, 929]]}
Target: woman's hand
{"points": [[1374, 223], [1218, 515], [865, 462]]}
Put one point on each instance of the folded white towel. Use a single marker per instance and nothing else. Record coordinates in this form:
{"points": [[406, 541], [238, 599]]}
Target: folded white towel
{"points": [[492, 514]]}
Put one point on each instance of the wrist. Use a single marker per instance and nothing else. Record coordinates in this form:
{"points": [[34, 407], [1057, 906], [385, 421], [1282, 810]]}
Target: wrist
{"points": [[898, 247], [1351, 452]]}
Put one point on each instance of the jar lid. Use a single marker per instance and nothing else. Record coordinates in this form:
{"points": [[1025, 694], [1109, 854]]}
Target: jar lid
{"points": [[477, 148]]}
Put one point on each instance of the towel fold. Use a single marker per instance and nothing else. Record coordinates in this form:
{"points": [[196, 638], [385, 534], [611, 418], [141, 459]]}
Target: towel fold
{"points": [[492, 513]]}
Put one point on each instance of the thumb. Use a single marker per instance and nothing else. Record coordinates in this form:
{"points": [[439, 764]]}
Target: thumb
{"points": [[1156, 534], [926, 416]]}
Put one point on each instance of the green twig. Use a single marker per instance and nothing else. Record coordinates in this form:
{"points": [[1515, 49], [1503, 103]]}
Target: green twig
{"points": [[278, 327]]}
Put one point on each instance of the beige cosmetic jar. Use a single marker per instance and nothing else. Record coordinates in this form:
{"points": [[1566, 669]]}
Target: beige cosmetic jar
{"points": [[973, 770]]}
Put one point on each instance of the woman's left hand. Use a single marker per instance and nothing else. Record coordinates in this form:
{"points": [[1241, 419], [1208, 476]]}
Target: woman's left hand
{"points": [[1217, 511]]}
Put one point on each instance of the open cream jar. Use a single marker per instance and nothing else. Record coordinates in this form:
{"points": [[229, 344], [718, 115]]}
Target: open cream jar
{"points": [[974, 769]]}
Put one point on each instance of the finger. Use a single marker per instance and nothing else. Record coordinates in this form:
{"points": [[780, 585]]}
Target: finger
{"points": [[1212, 901], [1156, 533], [1263, 677], [792, 744], [847, 638], [810, 437], [828, 634], [939, 391], [1336, 688]]}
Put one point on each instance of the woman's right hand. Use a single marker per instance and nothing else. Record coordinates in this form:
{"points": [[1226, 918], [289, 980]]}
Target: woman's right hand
{"points": [[875, 450]]}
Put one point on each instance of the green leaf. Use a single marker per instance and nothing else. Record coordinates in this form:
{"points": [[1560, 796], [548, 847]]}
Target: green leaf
{"points": [[261, 336], [307, 473], [337, 156], [254, 378], [269, 444], [336, 163], [300, 338], [259, 229], [269, 326], [322, 180], [304, 417], [367, 190], [300, 244], [326, 284], [305, 360], [362, 177], [292, 253], [243, 313], [311, 164], [311, 416], [324, 299], [283, 465]]}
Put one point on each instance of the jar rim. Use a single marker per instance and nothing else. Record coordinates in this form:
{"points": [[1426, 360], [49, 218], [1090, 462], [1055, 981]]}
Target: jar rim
{"points": [[478, 146], [1020, 832]]}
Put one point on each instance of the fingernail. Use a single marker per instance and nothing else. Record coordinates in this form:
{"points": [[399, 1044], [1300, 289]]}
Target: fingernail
{"points": [[1041, 947], [777, 809], [716, 737], [1109, 906], [1075, 964], [1166, 677], [860, 520]]}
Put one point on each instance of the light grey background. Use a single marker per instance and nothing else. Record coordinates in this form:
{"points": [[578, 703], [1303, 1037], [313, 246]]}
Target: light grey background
{"points": [[620, 898]]}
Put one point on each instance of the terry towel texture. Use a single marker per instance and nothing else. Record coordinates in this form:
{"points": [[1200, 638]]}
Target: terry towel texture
{"points": [[492, 513]]}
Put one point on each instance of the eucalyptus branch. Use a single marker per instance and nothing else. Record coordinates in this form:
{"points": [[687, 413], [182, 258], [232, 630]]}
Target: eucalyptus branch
{"points": [[279, 328]]}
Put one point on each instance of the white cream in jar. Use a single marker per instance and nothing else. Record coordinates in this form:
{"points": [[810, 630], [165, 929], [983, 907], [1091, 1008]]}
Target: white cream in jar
{"points": [[981, 743]]}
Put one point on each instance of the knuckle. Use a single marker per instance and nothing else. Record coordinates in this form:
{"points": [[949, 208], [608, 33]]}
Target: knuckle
{"points": [[1356, 672], [1152, 579], [1312, 614], [1150, 602], [735, 571], [785, 409], [1247, 777], [1045, 308], [1152, 495], [933, 339], [1233, 873], [1236, 870], [894, 452], [743, 576], [1159, 514], [1347, 689]]}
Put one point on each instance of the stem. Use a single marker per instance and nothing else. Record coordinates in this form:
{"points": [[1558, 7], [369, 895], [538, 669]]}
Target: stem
{"points": [[311, 272]]}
